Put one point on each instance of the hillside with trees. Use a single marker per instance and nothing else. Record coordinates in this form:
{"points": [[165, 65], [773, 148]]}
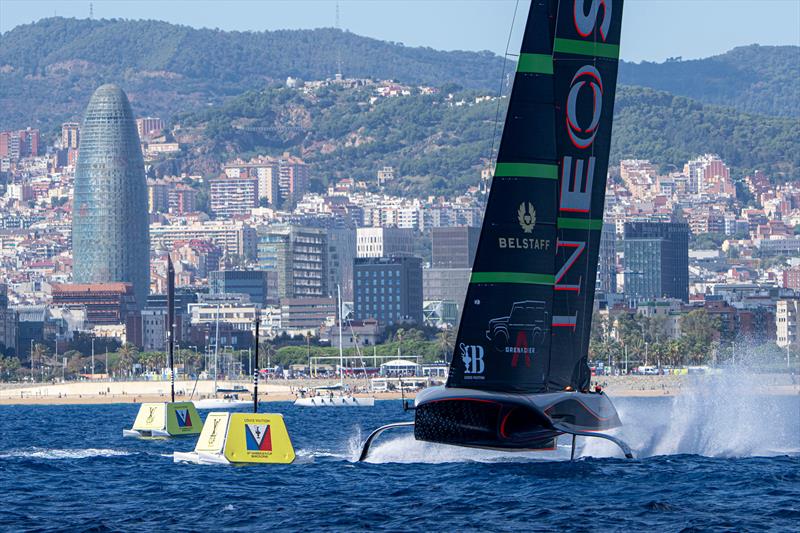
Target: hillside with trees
{"points": [[438, 143], [751, 79], [48, 69]]}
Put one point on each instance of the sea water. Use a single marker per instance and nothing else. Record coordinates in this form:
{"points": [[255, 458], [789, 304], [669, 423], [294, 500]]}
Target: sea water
{"points": [[713, 460]]}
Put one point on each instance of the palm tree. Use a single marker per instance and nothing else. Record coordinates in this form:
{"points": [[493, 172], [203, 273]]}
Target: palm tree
{"points": [[265, 352], [126, 357], [446, 340], [38, 355]]}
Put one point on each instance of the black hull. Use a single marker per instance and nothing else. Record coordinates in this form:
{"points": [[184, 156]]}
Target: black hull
{"points": [[506, 421]]}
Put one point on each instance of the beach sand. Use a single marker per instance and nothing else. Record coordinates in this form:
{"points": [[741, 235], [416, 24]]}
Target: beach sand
{"points": [[102, 392]]}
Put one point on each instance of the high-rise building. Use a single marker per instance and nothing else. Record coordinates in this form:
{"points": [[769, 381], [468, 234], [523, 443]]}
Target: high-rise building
{"points": [[656, 260], [182, 200], [607, 260], [110, 235], [454, 247], [70, 135], [341, 252], [293, 179], [787, 323], [446, 284], [388, 289], [8, 321], [233, 196], [157, 197], [383, 242], [21, 143], [299, 255]]}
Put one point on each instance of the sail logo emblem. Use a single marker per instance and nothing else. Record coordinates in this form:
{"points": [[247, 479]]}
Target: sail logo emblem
{"points": [[258, 437], [472, 356], [184, 420], [526, 216], [583, 137], [213, 436]]}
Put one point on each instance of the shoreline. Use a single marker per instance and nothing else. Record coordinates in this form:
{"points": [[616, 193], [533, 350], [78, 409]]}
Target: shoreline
{"points": [[111, 392]]}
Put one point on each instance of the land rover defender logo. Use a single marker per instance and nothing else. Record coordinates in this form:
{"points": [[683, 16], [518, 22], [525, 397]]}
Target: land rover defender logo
{"points": [[472, 356], [526, 215]]}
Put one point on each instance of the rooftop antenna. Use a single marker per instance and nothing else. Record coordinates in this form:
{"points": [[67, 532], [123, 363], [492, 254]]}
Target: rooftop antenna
{"points": [[338, 48]]}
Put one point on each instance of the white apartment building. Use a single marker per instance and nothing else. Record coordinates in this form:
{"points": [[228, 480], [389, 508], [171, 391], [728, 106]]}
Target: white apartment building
{"points": [[787, 324]]}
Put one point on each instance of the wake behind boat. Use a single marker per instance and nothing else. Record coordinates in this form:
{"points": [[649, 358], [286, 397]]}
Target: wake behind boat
{"points": [[519, 376]]}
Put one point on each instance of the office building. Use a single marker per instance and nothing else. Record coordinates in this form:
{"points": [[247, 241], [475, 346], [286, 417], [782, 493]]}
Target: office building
{"points": [[656, 260], [8, 322], [445, 284], [384, 242], [454, 247], [253, 283], [105, 303], [299, 256], [388, 289], [306, 315], [607, 260], [341, 252], [110, 235]]}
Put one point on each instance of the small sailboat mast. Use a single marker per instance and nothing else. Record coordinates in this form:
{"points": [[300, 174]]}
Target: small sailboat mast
{"points": [[171, 323], [341, 350]]}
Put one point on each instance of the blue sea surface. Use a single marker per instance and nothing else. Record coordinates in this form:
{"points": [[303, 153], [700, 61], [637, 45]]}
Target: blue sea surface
{"points": [[703, 463]]}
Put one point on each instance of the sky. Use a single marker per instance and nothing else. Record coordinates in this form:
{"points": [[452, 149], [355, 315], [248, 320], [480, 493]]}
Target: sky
{"points": [[653, 30]]}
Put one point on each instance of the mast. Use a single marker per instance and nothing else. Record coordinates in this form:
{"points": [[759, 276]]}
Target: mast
{"points": [[255, 372], [527, 316], [216, 352], [341, 351], [171, 323]]}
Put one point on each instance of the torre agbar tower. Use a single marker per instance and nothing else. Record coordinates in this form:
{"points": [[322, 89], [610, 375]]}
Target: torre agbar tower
{"points": [[110, 232]]}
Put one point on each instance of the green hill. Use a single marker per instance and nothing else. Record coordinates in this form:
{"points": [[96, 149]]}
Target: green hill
{"points": [[437, 144], [48, 69], [753, 79]]}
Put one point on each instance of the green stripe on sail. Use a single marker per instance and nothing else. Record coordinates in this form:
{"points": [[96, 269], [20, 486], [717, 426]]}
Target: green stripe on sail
{"points": [[513, 277], [580, 223], [535, 64], [586, 48], [526, 170]]}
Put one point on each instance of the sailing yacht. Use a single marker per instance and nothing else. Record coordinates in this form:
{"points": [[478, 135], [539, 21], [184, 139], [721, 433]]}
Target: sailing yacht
{"points": [[230, 398], [334, 395], [519, 375]]}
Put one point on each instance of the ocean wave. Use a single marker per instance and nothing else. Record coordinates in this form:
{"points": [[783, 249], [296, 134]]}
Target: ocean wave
{"points": [[62, 453]]}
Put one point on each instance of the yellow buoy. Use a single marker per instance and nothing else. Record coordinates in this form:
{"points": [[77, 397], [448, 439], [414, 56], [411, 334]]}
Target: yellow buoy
{"points": [[169, 419], [231, 438]]}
